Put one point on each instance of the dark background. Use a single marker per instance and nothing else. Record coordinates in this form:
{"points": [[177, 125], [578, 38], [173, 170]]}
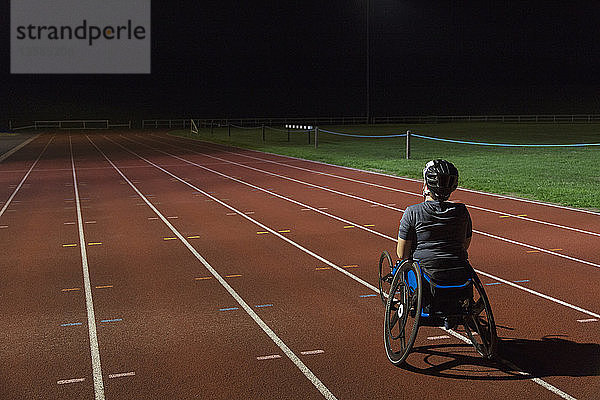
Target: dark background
{"points": [[308, 58]]}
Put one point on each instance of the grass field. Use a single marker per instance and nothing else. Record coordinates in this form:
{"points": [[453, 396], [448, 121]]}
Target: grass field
{"points": [[567, 176]]}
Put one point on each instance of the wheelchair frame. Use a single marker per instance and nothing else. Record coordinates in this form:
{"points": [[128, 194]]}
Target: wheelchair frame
{"points": [[402, 295]]}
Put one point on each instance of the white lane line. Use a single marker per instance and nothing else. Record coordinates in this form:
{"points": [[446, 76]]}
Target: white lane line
{"points": [[375, 202], [67, 381], [270, 357], [373, 288], [588, 320], [540, 203], [18, 187], [17, 148], [311, 352], [94, 349], [121, 375], [438, 337], [347, 222], [272, 335]]}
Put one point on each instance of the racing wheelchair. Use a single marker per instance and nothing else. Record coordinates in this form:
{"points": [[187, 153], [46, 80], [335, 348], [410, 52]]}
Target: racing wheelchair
{"points": [[412, 298]]}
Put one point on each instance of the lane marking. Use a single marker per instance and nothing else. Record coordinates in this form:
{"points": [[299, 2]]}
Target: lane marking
{"points": [[350, 266], [112, 320], [229, 309], [3, 226], [203, 278], [284, 231], [268, 331], [587, 320], [555, 249], [94, 243], [104, 287], [311, 352], [532, 251], [233, 276], [230, 214], [90, 222], [305, 209], [348, 226], [94, 348], [322, 268], [369, 225], [68, 381], [170, 238], [17, 148], [521, 215], [72, 324], [504, 216], [261, 233], [70, 245], [323, 208], [20, 185], [121, 375], [193, 237], [70, 289], [393, 239], [271, 357], [69, 223], [173, 217], [438, 337]]}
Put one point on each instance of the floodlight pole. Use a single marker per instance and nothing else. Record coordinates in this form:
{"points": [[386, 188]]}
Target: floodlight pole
{"points": [[368, 61]]}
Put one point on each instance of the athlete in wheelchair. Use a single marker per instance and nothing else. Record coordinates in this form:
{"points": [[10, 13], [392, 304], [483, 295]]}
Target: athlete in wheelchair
{"points": [[433, 284]]}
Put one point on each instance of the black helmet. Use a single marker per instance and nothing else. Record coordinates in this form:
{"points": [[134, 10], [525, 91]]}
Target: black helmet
{"points": [[441, 177]]}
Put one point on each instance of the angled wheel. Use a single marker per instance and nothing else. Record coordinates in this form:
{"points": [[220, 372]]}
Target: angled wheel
{"points": [[385, 275], [479, 324], [402, 312]]}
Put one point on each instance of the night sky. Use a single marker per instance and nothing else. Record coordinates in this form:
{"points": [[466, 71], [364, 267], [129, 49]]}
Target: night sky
{"points": [[308, 58]]}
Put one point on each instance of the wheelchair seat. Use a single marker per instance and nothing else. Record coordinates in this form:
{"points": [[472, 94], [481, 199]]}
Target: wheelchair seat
{"points": [[446, 292]]}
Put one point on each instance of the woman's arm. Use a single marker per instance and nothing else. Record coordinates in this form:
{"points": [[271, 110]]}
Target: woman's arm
{"points": [[403, 249]]}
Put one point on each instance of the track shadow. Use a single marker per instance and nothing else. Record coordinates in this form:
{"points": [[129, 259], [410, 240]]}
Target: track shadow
{"points": [[549, 356], [552, 356]]}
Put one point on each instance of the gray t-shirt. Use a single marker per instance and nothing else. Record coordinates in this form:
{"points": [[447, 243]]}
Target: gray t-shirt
{"points": [[438, 229]]}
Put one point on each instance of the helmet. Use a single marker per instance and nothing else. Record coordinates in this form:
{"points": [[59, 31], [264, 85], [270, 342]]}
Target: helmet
{"points": [[441, 177]]}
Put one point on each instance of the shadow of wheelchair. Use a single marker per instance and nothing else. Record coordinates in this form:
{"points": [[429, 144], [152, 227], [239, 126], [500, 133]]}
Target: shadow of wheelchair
{"points": [[548, 356], [553, 355]]}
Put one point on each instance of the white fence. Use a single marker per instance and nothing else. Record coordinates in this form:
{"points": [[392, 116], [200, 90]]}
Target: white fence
{"points": [[438, 119], [69, 124], [323, 121]]}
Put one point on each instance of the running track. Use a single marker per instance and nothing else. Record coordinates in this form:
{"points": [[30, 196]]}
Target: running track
{"points": [[143, 266]]}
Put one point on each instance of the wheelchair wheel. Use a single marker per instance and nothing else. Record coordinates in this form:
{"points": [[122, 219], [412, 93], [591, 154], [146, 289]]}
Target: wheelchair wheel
{"points": [[385, 275], [479, 324], [402, 312]]}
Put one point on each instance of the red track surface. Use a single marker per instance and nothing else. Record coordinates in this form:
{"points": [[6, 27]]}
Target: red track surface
{"points": [[163, 333]]}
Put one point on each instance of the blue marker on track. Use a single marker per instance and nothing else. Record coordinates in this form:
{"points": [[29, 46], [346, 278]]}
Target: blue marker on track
{"points": [[71, 324], [493, 283], [228, 309], [264, 305], [367, 295], [112, 320]]}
